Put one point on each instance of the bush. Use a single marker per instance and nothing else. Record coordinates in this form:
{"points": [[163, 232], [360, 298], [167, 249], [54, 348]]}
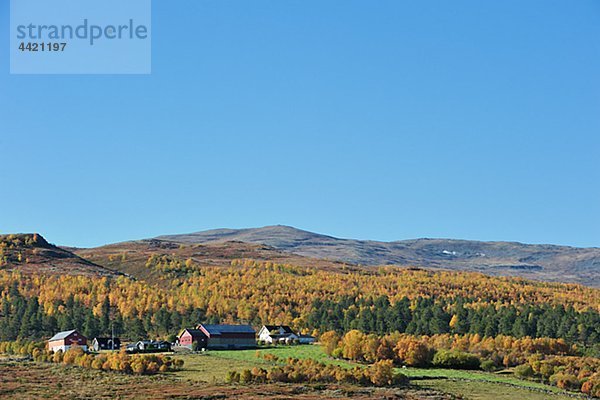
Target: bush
{"points": [[330, 341], [381, 373], [411, 351], [232, 377], [57, 357], [591, 387], [337, 352], [120, 362], [277, 375], [524, 371], [456, 360], [308, 370], [246, 376], [259, 374], [488, 365], [546, 370], [565, 381], [400, 379]]}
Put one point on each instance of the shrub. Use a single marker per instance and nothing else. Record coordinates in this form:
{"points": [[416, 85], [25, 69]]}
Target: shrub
{"points": [[259, 374], [546, 370], [330, 341], [36, 354], [121, 362], [58, 357], [488, 365], [456, 360], [307, 370], [246, 376], [413, 352], [277, 375], [400, 379], [337, 352], [138, 367], [524, 371], [72, 354], [565, 381], [271, 357], [232, 377], [591, 387], [381, 373]]}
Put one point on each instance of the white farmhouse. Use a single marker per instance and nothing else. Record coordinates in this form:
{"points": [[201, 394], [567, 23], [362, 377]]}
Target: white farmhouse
{"points": [[276, 334]]}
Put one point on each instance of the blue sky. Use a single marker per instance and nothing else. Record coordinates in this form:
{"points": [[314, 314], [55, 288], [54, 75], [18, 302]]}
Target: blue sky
{"points": [[379, 120]]}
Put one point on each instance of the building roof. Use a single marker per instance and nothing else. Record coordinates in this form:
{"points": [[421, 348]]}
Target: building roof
{"points": [[303, 336], [221, 329], [107, 339], [286, 328], [193, 332], [62, 335], [151, 341]]}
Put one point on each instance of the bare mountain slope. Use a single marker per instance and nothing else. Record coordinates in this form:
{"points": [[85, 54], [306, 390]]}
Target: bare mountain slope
{"points": [[543, 262], [31, 253], [131, 257]]}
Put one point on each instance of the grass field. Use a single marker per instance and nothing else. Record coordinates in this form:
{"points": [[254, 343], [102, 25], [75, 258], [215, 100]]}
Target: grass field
{"points": [[479, 390], [203, 376], [469, 384], [29, 380], [211, 367]]}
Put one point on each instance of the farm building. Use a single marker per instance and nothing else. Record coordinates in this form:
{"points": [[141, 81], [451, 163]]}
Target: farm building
{"points": [[188, 337], [276, 334], [67, 339], [306, 339], [148, 346], [101, 343], [229, 336]]}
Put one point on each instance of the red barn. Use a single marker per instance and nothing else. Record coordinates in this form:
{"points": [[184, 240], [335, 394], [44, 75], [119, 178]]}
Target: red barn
{"points": [[65, 340], [188, 337], [229, 336]]}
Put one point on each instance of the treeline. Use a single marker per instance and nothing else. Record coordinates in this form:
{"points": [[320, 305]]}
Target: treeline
{"points": [[420, 351], [571, 373], [114, 361], [431, 316], [23, 318], [377, 300], [283, 292], [545, 359], [307, 370]]}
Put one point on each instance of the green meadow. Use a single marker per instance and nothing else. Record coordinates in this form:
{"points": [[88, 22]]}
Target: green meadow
{"points": [[213, 366]]}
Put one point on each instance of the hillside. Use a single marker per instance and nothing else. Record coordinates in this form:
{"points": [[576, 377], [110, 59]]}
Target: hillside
{"points": [[287, 245], [356, 310], [544, 262], [131, 257], [31, 253]]}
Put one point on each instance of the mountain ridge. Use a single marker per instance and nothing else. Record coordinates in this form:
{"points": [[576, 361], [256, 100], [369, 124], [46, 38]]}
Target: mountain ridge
{"points": [[535, 261]]}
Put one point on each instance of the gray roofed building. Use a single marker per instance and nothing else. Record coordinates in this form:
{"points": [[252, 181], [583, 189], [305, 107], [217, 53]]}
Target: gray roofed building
{"points": [[65, 340], [229, 336], [227, 329], [61, 335]]}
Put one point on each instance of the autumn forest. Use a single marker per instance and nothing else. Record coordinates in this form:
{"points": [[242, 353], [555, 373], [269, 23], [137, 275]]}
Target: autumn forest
{"points": [[404, 316]]}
